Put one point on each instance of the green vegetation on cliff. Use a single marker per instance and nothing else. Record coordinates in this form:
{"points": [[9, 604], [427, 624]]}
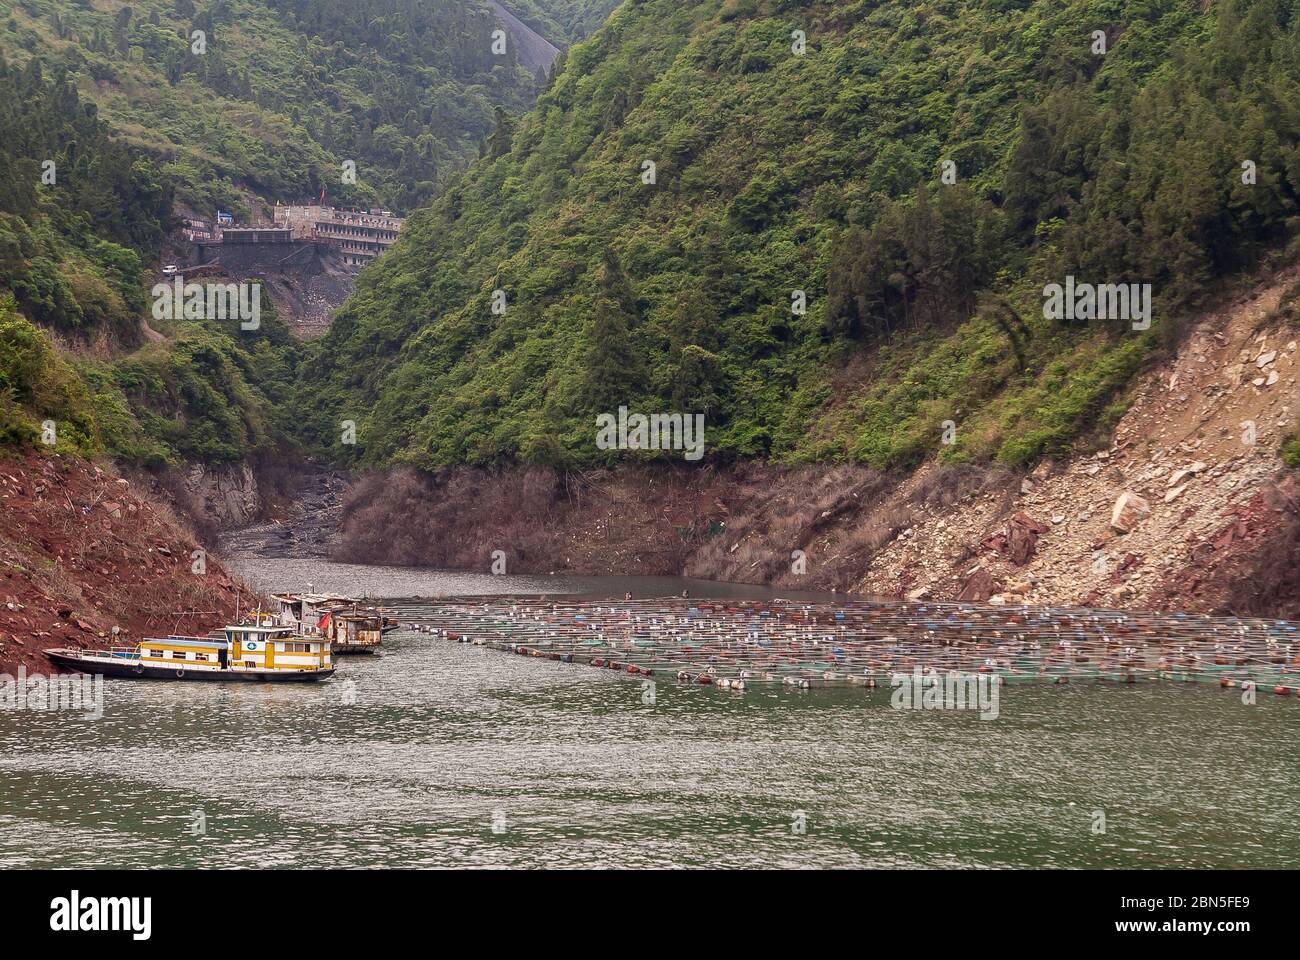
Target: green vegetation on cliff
{"points": [[270, 97], [76, 223], [73, 238], [823, 172], [912, 172], [562, 21], [108, 116]]}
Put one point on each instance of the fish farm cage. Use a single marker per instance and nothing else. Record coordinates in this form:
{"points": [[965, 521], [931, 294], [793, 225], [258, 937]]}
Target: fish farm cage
{"points": [[734, 645]]}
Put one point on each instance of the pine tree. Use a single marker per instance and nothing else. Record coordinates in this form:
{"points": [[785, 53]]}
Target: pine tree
{"points": [[614, 373]]}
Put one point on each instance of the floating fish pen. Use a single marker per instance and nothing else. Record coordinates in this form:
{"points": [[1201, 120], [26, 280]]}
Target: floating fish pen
{"points": [[735, 645]]}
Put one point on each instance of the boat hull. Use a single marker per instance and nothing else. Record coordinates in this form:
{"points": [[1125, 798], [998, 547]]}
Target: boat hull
{"points": [[134, 670]]}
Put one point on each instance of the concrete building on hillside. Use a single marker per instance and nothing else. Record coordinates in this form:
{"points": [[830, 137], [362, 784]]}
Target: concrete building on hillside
{"points": [[255, 235], [361, 236]]}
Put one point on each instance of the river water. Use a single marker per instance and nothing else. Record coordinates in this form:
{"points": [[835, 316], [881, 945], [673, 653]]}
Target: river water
{"points": [[437, 754]]}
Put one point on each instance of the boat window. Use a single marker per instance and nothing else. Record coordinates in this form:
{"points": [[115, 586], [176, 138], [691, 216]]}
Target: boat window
{"points": [[200, 656], [249, 663], [178, 654]]}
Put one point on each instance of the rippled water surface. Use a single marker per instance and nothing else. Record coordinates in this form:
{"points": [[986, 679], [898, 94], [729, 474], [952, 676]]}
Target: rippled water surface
{"points": [[445, 740]]}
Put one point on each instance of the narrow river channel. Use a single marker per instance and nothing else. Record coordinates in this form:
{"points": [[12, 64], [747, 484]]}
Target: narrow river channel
{"points": [[437, 754]]}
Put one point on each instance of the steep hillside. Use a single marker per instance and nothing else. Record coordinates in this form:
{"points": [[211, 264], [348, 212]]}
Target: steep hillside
{"points": [[562, 22], [87, 562], [250, 101], [73, 289], [112, 117], [534, 51], [784, 173], [1216, 529]]}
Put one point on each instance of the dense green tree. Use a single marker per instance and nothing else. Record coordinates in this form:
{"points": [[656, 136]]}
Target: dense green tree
{"points": [[614, 371], [892, 200]]}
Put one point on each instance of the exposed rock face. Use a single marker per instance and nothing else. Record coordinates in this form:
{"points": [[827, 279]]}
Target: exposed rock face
{"points": [[531, 47], [307, 282], [1018, 539], [301, 526], [979, 587], [1193, 462], [228, 494], [78, 570], [1128, 512]]}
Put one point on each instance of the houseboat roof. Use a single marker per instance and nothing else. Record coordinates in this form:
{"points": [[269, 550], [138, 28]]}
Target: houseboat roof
{"points": [[254, 628], [188, 641]]}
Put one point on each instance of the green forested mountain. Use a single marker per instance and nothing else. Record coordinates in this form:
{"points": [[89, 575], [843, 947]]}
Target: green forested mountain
{"points": [[913, 172], [562, 22], [81, 213], [78, 209], [272, 96], [111, 113], [1098, 138]]}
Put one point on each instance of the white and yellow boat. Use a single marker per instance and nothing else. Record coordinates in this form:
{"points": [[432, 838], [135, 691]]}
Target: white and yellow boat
{"points": [[267, 653]]}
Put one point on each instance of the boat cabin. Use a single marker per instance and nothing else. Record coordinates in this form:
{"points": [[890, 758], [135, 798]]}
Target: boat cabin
{"points": [[185, 653], [354, 631], [275, 648], [305, 611], [238, 648]]}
